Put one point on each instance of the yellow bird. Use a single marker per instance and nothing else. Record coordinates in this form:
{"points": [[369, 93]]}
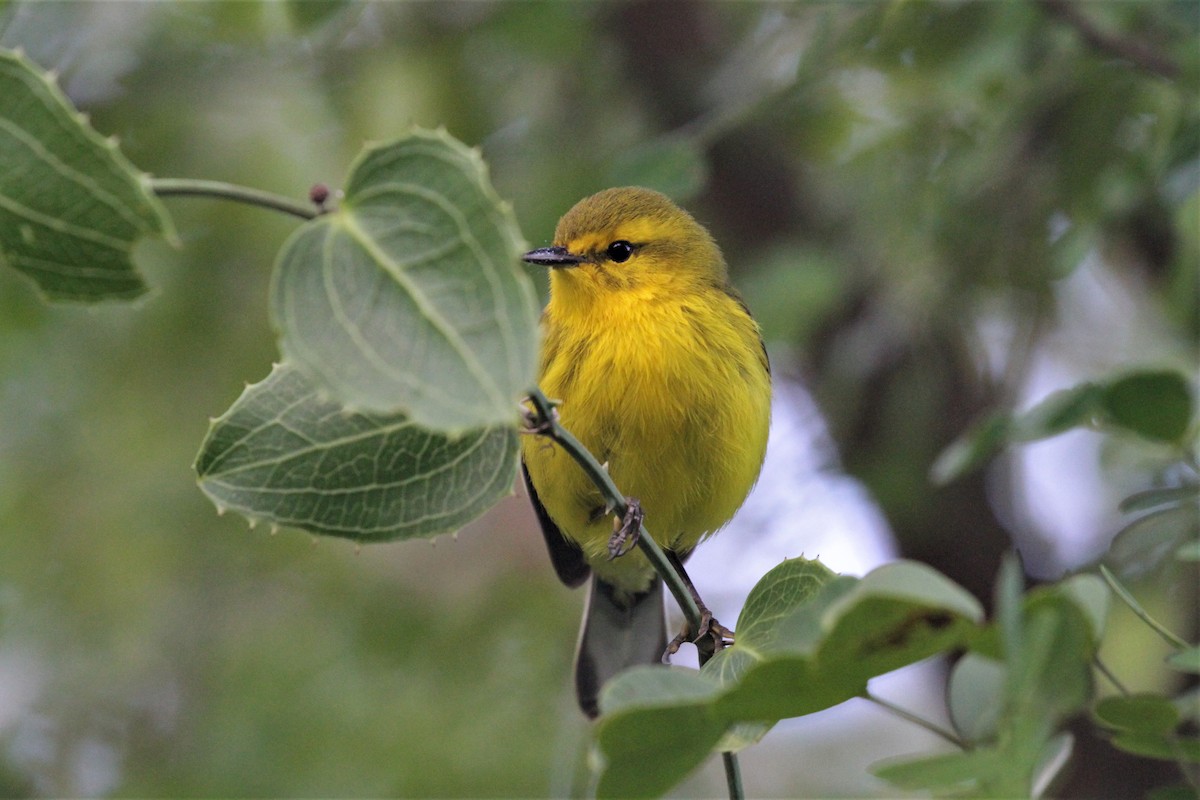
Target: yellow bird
{"points": [[661, 373]]}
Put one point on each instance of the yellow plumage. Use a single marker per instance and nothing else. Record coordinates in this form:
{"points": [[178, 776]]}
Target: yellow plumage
{"points": [[661, 374]]}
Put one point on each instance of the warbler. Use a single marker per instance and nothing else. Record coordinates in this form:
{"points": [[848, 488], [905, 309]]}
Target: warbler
{"points": [[660, 372]]}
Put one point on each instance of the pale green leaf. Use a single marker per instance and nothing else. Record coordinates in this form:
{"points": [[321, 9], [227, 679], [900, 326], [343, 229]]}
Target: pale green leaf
{"points": [[1166, 748], [975, 696], [286, 454], [1188, 551], [1091, 595], [960, 773], [777, 594], [409, 298], [971, 450], [1057, 413], [660, 727], [1054, 756], [807, 640], [1149, 541], [1153, 498], [826, 648], [647, 686], [1143, 713], [1186, 660], [71, 206]]}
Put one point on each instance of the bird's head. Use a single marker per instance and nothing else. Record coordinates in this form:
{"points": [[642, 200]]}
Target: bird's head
{"points": [[627, 240]]}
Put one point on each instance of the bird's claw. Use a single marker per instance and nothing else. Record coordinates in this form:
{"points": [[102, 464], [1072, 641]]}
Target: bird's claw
{"points": [[718, 634], [534, 423], [627, 531]]}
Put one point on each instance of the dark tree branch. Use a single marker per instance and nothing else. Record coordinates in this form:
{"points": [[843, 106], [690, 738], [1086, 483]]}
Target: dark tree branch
{"points": [[1132, 50]]}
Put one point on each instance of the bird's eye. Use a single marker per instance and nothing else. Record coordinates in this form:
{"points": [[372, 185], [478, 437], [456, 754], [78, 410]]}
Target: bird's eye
{"points": [[619, 251]]}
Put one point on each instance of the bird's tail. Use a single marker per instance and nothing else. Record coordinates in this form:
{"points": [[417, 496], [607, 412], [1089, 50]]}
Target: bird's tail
{"points": [[619, 631]]}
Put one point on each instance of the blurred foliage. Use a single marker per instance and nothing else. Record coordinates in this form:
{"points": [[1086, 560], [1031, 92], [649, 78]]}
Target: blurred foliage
{"points": [[913, 197]]}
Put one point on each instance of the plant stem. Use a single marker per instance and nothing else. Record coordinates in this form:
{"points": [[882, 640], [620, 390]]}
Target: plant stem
{"points": [[909, 716], [733, 776], [1136, 608], [547, 424], [1103, 669], [187, 187]]}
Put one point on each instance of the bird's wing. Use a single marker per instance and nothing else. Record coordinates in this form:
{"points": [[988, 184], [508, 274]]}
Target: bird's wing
{"points": [[567, 558]]}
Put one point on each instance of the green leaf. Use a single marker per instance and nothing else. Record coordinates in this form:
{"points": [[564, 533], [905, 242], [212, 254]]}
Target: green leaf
{"points": [[787, 586], [975, 696], [673, 166], [1187, 703], [1138, 713], [897, 614], [1057, 413], [287, 454], [1187, 660], [824, 650], [950, 772], [71, 206], [1156, 405], [1091, 595], [984, 772], [971, 450], [807, 640], [1054, 757], [1153, 498], [1164, 748], [647, 686], [1188, 551], [1009, 700], [409, 298], [1152, 539], [666, 730], [1050, 665]]}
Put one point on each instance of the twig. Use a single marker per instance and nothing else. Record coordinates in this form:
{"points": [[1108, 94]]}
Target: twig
{"points": [[733, 776], [186, 187], [1132, 50], [1137, 609], [909, 716], [1103, 669], [546, 424]]}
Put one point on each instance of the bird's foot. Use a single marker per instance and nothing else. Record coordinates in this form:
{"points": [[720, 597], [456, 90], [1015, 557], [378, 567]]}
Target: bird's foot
{"points": [[627, 531], [535, 424], [712, 634]]}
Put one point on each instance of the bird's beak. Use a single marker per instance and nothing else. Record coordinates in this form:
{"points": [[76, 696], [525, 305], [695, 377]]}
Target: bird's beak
{"points": [[554, 257]]}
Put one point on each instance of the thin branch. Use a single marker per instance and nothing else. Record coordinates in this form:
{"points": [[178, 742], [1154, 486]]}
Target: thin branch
{"points": [[1132, 50], [546, 423], [733, 776], [1137, 609], [187, 187], [909, 716], [1103, 669]]}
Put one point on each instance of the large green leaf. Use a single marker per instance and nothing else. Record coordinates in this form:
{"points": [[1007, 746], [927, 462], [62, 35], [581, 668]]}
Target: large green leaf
{"points": [[668, 729], [287, 454], [71, 206], [1007, 701], [807, 640], [1154, 404], [409, 297]]}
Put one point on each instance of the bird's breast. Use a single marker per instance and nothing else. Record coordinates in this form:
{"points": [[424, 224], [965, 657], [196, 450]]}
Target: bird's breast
{"points": [[659, 392]]}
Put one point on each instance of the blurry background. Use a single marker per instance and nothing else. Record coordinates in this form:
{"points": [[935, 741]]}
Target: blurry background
{"points": [[934, 210]]}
